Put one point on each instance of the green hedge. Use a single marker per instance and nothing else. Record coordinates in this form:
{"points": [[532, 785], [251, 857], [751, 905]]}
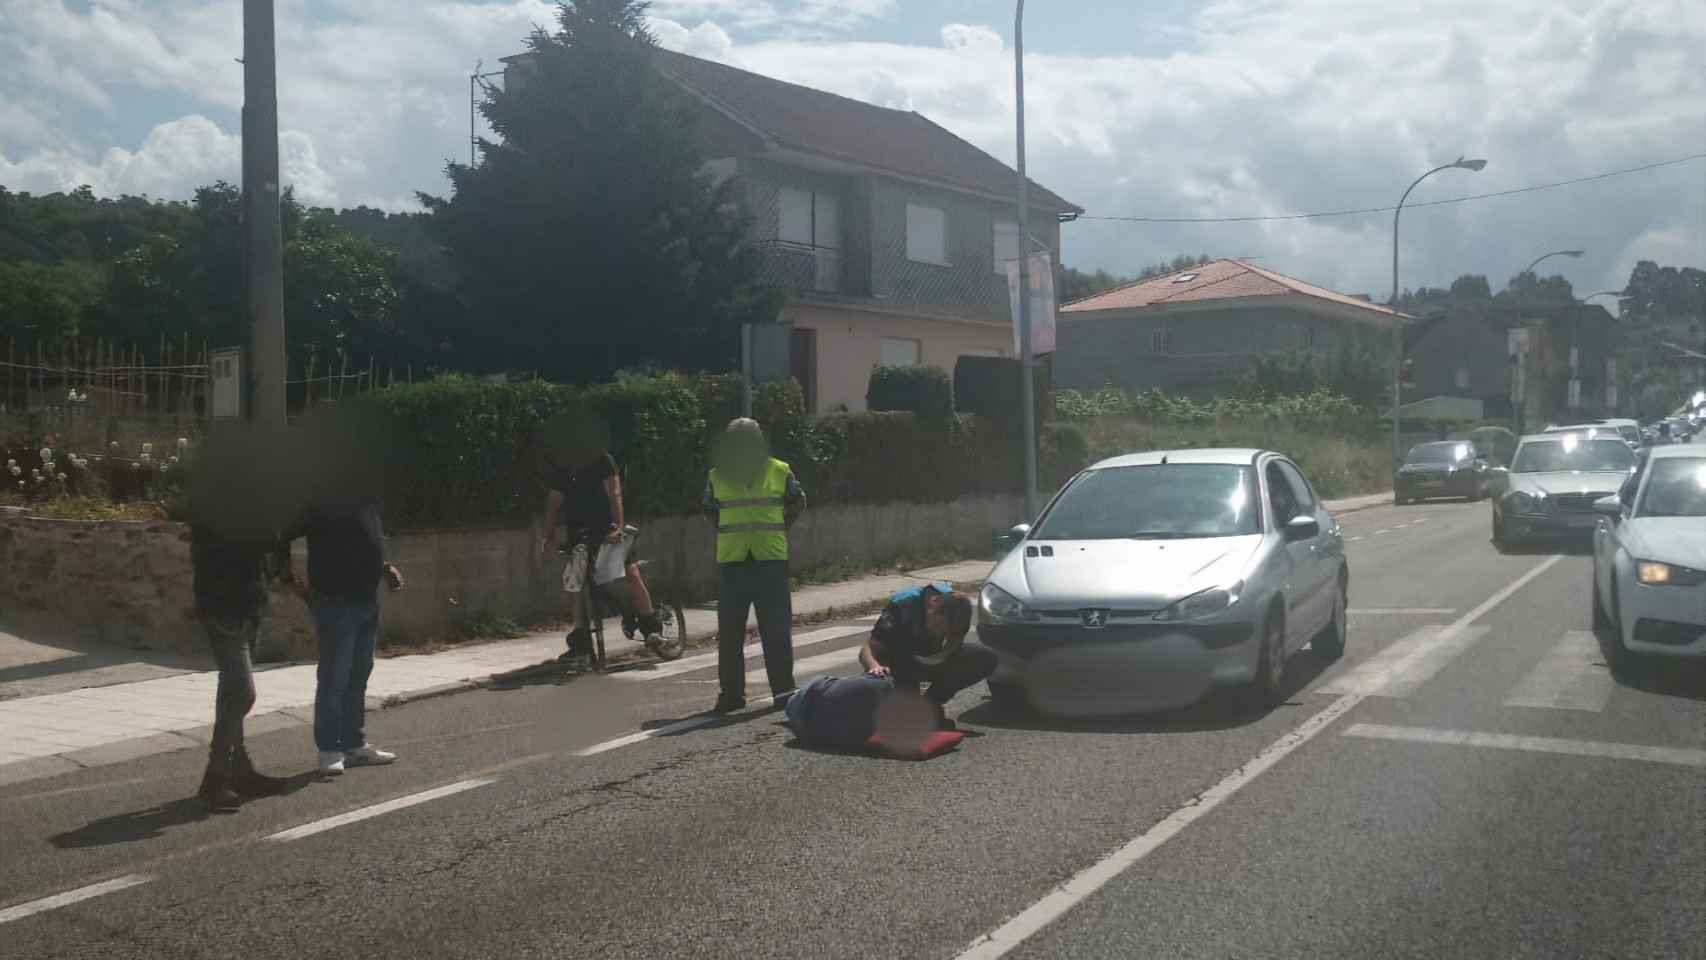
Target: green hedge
{"points": [[467, 453], [920, 389]]}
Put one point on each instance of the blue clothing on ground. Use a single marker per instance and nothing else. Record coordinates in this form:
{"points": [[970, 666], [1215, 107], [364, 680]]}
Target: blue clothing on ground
{"points": [[837, 711]]}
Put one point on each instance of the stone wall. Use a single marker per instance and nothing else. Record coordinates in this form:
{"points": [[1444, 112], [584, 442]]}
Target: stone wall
{"points": [[132, 581]]}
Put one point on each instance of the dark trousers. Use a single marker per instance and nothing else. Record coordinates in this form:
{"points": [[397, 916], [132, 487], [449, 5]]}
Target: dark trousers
{"points": [[233, 643], [968, 666], [348, 631], [760, 584]]}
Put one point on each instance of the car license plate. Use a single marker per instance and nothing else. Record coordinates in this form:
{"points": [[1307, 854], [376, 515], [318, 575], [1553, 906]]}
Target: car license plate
{"points": [[1583, 520]]}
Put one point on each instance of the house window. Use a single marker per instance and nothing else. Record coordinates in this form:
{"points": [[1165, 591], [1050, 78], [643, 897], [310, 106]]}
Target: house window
{"points": [[1462, 378], [1006, 245], [809, 219], [898, 352], [926, 235], [1161, 340]]}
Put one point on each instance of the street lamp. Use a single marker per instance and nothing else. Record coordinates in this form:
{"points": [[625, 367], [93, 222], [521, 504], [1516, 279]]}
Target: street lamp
{"points": [[1027, 400], [1522, 398], [1397, 326], [1610, 393]]}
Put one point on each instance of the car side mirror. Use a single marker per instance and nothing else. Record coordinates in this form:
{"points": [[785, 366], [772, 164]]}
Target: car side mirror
{"points": [[1302, 528], [1610, 506], [1012, 538]]}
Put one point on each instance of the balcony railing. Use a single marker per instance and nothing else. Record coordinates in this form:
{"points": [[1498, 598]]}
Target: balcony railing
{"points": [[800, 267]]}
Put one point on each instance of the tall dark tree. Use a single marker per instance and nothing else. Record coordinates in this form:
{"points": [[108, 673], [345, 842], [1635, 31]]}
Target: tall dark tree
{"points": [[588, 239]]}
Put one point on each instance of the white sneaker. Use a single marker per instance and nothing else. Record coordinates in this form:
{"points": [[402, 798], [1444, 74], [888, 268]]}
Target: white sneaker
{"points": [[368, 755], [331, 763]]}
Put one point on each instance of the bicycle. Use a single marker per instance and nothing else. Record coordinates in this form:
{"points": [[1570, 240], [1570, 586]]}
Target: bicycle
{"points": [[591, 567]]}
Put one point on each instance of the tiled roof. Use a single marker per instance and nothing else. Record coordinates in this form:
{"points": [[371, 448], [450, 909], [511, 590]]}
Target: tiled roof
{"points": [[1215, 280], [899, 141]]}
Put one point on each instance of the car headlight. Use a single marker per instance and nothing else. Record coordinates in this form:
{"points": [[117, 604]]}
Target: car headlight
{"points": [[1526, 500], [1203, 604], [1656, 574], [999, 606]]}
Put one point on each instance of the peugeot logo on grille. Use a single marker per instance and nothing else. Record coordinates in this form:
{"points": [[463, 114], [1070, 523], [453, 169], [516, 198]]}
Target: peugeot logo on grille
{"points": [[1094, 619]]}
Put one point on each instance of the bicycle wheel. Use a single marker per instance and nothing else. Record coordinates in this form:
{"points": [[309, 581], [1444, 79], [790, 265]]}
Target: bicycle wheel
{"points": [[672, 634]]}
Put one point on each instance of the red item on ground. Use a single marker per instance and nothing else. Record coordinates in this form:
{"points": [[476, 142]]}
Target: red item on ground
{"points": [[936, 743]]}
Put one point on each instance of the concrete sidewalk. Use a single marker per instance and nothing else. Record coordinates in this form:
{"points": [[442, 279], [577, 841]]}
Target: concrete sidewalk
{"points": [[93, 726]]}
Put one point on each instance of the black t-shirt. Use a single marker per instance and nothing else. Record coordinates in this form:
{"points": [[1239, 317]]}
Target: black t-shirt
{"points": [[901, 631], [586, 506], [346, 550]]}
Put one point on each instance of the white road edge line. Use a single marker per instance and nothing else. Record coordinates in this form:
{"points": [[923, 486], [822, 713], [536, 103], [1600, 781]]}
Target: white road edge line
{"points": [[70, 897], [1678, 756], [378, 809], [680, 726], [1063, 898]]}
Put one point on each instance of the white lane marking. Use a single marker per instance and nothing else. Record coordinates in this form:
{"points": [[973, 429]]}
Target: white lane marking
{"points": [[70, 897], [1381, 532], [1573, 676], [810, 666], [1677, 756], [364, 813], [680, 726], [706, 661], [1063, 898], [1355, 539], [1401, 611], [1420, 520], [1402, 668]]}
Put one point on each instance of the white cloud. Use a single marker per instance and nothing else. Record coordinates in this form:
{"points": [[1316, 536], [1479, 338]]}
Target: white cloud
{"points": [[707, 40], [174, 159], [965, 36]]}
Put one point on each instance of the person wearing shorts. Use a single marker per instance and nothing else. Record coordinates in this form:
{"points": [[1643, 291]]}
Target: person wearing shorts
{"points": [[587, 501]]}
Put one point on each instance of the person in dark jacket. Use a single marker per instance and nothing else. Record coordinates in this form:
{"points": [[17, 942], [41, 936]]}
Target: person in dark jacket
{"points": [[236, 506], [346, 564], [920, 637]]}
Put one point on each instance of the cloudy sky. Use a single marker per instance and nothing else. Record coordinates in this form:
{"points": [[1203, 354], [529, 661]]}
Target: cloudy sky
{"points": [[1163, 108]]}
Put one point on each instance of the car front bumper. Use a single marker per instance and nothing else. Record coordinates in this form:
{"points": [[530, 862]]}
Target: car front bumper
{"points": [[1663, 621], [1067, 670], [1551, 524]]}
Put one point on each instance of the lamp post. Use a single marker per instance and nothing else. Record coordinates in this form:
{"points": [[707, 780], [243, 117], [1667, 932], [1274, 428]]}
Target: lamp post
{"points": [[1027, 387], [1522, 399], [1397, 326]]}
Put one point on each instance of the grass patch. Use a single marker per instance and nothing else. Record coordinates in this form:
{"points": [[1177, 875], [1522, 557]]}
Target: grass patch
{"points": [[86, 508]]}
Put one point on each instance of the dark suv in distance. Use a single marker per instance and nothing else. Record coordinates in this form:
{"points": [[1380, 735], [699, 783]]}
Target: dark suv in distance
{"points": [[1449, 468]]}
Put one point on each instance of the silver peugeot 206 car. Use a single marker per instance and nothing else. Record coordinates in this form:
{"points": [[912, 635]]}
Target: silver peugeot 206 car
{"points": [[1151, 578]]}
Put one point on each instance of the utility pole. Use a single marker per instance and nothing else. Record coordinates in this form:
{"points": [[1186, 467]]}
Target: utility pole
{"points": [[1027, 384], [263, 243]]}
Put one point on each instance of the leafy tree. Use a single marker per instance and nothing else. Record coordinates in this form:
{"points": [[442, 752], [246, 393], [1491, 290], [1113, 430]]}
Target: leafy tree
{"points": [[588, 239], [43, 305], [1076, 284]]}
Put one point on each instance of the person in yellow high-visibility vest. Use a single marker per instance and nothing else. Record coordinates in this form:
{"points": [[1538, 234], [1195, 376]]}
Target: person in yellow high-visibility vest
{"points": [[753, 499]]}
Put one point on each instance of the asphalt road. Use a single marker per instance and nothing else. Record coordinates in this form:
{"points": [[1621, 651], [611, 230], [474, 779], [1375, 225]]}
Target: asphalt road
{"points": [[1469, 781]]}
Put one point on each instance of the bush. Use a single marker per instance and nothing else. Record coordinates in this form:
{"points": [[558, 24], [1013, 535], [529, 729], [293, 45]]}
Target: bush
{"points": [[989, 387], [884, 457], [920, 389], [1065, 450]]}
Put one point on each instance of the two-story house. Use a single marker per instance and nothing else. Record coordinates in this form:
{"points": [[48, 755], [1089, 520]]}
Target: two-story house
{"points": [[1194, 331], [889, 234]]}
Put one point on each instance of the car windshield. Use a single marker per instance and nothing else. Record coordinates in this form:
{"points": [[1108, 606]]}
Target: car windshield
{"points": [[1676, 487], [1572, 452], [1439, 453], [1156, 502], [1629, 433]]}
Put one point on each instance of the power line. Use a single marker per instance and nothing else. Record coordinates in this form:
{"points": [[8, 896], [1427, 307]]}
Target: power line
{"points": [[1423, 203]]}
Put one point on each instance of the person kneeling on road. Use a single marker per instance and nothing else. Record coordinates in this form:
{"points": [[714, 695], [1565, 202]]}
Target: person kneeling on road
{"points": [[921, 637]]}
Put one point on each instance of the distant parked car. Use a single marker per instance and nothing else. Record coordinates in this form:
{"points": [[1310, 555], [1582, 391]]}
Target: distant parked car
{"points": [[1629, 430], [1553, 482], [1444, 469], [1151, 578], [1649, 560]]}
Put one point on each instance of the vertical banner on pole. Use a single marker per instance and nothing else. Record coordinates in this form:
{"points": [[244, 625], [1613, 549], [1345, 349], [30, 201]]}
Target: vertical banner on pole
{"points": [[1042, 302]]}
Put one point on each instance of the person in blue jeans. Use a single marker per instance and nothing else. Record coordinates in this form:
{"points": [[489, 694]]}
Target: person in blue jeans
{"points": [[346, 563]]}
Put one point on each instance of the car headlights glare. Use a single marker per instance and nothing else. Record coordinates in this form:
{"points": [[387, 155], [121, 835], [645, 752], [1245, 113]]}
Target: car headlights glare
{"points": [[999, 606], [1203, 604], [1653, 573]]}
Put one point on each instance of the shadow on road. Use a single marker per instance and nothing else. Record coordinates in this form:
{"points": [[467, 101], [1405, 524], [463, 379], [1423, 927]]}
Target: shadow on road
{"points": [[1572, 547], [151, 823], [1219, 710]]}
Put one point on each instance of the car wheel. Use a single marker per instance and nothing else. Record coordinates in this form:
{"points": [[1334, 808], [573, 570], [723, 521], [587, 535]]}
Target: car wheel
{"points": [[1330, 642], [1617, 655], [1501, 539], [1008, 699], [1601, 621], [1267, 688]]}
